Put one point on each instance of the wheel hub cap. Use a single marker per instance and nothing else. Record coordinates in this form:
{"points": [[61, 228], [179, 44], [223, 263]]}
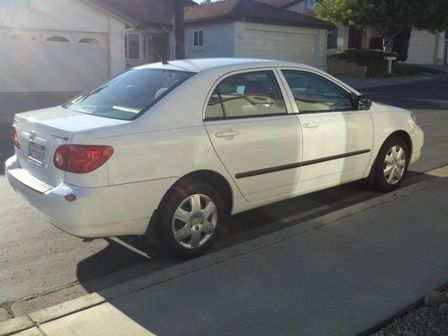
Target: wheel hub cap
{"points": [[394, 164], [194, 221]]}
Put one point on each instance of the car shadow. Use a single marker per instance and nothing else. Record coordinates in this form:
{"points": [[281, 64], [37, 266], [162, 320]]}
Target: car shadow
{"points": [[260, 218], [126, 258]]}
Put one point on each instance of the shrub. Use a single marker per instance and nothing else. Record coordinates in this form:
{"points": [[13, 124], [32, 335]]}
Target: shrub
{"points": [[363, 56]]}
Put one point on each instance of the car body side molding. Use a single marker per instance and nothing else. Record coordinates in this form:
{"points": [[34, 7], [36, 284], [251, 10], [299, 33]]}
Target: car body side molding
{"points": [[298, 164]]}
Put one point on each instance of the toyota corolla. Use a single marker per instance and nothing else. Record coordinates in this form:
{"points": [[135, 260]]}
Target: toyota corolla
{"points": [[184, 144]]}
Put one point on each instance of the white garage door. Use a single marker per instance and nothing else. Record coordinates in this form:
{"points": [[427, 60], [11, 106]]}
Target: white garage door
{"points": [[52, 61], [288, 46], [422, 47]]}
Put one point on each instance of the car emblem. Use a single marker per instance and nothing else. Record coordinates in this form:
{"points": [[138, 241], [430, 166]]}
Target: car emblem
{"points": [[32, 135], [59, 137]]}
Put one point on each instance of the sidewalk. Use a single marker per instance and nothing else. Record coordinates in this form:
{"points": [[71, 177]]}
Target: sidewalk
{"points": [[339, 274], [360, 83]]}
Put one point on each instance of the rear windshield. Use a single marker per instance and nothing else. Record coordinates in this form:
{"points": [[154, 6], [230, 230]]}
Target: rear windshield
{"points": [[129, 94]]}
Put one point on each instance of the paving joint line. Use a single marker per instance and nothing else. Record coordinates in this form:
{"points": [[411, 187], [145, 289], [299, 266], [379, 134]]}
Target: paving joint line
{"points": [[402, 256]]}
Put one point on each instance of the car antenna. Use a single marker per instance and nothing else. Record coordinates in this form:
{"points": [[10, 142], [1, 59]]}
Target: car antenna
{"points": [[163, 60]]}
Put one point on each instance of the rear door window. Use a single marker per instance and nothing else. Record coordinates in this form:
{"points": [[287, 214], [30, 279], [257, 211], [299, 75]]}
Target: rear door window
{"points": [[248, 94]]}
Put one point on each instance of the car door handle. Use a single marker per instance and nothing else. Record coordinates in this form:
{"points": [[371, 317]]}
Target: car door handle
{"points": [[227, 133], [311, 125]]}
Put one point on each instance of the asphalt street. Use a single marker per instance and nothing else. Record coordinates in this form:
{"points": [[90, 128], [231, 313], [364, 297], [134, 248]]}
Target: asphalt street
{"points": [[41, 266]]}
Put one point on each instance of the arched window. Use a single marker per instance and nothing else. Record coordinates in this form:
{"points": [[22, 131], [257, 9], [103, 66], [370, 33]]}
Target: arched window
{"points": [[57, 39], [23, 37], [89, 40]]}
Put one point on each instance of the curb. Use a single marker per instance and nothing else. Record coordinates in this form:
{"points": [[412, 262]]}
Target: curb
{"points": [[22, 323]]}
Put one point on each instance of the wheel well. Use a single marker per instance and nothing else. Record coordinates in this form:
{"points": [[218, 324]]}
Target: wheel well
{"points": [[402, 135], [211, 178], [405, 137]]}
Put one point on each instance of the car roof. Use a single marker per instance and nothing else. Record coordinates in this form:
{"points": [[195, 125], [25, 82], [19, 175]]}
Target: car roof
{"points": [[202, 64]]}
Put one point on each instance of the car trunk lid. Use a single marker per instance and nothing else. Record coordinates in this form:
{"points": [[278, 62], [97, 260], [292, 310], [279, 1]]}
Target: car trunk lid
{"points": [[41, 132]]}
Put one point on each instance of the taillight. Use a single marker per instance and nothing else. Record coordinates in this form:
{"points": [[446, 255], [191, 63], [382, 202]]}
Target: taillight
{"points": [[15, 138], [81, 159]]}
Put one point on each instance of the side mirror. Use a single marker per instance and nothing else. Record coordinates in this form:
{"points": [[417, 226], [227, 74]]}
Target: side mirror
{"points": [[364, 102]]}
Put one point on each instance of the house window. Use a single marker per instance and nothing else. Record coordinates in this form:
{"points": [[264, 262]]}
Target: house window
{"points": [[198, 38], [132, 46], [57, 39], [23, 37], [332, 39], [89, 40]]}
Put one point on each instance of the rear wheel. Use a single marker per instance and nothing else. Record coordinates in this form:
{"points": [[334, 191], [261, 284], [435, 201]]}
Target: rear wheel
{"points": [[391, 164], [189, 219]]}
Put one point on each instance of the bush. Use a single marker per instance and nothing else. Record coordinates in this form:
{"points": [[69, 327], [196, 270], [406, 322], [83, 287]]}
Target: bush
{"points": [[363, 56]]}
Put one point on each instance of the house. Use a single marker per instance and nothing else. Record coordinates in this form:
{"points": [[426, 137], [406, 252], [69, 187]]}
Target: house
{"points": [[69, 45], [425, 47], [247, 28]]}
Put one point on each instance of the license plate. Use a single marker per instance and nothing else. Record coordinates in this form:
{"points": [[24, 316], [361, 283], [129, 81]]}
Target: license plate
{"points": [[36, 152]]}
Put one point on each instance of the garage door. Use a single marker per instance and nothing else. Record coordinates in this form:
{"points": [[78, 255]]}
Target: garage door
{"points": [[422, 47], [295, 47], [52, 61]]}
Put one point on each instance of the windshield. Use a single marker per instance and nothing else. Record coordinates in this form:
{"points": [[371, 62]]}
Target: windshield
{"points": [[128, 94]]}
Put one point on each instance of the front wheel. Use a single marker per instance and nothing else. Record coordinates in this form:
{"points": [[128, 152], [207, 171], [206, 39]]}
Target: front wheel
{"points": [[391, 164], [189, 219]]}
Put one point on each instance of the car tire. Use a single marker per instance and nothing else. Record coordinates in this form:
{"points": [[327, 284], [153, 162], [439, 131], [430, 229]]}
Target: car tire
{"points": [[391, 164], [189, 219]]}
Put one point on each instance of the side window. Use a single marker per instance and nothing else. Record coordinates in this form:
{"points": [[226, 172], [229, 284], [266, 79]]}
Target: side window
{"points": [[246, 95], [214, 107], [313, 93]]}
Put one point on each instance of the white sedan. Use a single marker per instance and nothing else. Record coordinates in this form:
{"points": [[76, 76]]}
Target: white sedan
{"points": [[171, 149]]}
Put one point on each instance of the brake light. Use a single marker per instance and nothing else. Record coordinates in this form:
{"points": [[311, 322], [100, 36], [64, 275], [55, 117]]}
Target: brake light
{"points": [[15, 138], [81, 159]]}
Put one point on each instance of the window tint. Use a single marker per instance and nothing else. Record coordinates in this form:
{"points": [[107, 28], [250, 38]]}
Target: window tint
{"points": [[246, 95], [214, 107], [128, 94], [313, 93]]}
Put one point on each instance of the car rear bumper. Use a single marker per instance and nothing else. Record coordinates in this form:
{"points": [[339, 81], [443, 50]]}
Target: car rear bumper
{"points": [[97, 212]]}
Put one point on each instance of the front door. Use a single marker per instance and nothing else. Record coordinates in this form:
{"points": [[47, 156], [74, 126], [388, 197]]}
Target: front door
{"points": [[337, 138], [258, 142], [355, 38]]}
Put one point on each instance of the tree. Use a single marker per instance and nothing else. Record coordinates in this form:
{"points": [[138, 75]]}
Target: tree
{"points": [[389, 17]]}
